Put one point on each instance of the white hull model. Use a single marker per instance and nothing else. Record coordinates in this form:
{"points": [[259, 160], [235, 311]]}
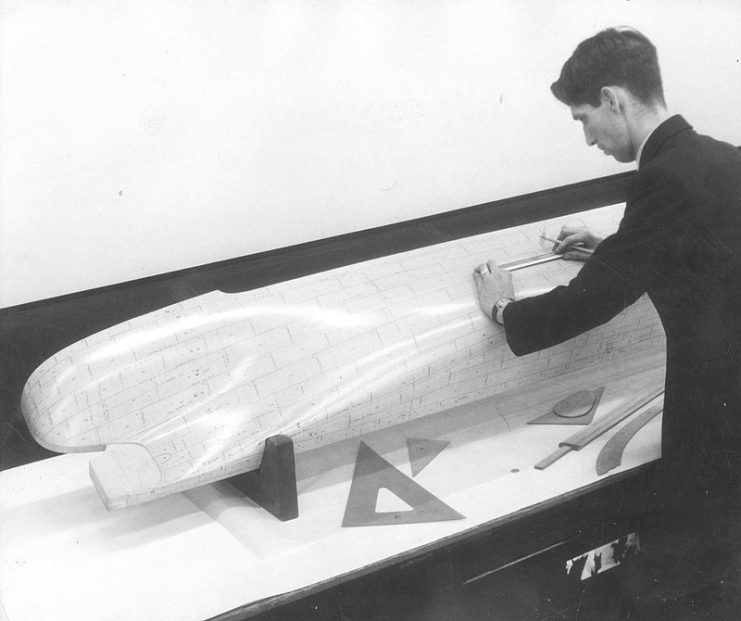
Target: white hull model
{"points": [[186, 395]]}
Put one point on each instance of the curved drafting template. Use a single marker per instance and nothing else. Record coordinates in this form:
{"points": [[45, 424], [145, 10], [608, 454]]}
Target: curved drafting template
{"points": [[649, 395], [611, 455], [186, 395]]}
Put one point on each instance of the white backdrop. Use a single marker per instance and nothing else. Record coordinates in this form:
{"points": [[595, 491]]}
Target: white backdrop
{"points": [[146, 136]]}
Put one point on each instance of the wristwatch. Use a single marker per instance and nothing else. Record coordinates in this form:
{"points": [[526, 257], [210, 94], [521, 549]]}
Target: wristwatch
{"points": [[498, 310]]}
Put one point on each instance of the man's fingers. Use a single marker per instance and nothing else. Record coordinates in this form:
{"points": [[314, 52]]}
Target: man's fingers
{"points": [[562, 246], [564, 232], [575, 239], [575, 256]]}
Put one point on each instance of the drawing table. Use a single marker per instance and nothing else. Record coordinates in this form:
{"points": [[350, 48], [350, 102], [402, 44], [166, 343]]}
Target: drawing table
{"points": [[207, 551]]}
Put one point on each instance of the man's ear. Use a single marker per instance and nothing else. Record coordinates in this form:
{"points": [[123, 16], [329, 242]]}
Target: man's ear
{"points": [[610, 96]]}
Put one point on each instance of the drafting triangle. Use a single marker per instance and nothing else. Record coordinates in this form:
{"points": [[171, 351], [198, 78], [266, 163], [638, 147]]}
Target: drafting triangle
{"points": [[388, 501], [373, 472], [422, 452], [576, 409]]}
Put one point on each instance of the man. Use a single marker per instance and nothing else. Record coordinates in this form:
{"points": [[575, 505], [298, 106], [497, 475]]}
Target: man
{"points": [[679, 240]]}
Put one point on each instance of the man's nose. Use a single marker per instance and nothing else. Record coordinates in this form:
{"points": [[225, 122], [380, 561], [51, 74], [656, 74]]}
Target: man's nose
{"points": [[589, 138]]}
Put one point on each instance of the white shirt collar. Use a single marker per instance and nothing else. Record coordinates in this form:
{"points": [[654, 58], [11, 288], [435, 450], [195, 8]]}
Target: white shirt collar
{"points": [[640, 149]]}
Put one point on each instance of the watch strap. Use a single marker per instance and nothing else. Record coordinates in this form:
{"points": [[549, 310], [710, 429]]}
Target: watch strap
{"points": [[498, 310]]}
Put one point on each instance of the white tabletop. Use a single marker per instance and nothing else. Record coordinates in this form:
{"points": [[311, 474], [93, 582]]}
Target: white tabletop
{"points": [[206, 551]]}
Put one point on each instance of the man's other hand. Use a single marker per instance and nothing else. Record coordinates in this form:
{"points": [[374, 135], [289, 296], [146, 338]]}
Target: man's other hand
{"points": [[579, 236], [492, 284]]}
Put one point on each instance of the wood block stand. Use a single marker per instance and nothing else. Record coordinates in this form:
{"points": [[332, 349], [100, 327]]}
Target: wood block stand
{"points": [[273, 484]]}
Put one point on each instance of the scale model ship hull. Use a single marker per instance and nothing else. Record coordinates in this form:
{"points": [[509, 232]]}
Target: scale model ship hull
{"points": [[186, 395]]}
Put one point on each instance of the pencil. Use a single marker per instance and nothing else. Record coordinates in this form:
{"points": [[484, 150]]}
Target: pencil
{"points": [[577, 248]]}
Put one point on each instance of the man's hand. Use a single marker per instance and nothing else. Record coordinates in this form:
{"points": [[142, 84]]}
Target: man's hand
{"points": [[571, 236], [492, 284]]}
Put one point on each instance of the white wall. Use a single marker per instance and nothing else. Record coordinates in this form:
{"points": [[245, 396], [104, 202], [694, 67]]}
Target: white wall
{"points": [[146, 136]]}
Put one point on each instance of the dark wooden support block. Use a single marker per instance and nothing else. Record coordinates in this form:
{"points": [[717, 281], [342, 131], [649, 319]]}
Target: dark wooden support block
{"points": [[273, 484]]}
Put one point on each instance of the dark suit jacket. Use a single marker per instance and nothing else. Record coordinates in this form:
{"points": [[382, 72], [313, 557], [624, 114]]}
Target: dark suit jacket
{"points": [[680, 241]]}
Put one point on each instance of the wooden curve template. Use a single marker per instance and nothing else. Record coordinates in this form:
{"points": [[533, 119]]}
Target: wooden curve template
{"points": [[646, 397], [611, 455]]}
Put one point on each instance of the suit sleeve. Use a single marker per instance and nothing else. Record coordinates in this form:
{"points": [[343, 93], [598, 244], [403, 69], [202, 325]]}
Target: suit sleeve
{"points": [[625, 265]]}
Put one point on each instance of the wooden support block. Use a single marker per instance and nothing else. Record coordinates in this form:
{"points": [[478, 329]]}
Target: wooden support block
{"points": [[273, 484]]}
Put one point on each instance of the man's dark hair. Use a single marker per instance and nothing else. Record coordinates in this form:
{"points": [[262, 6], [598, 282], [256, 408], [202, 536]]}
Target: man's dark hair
{"points": [[613, 57]]}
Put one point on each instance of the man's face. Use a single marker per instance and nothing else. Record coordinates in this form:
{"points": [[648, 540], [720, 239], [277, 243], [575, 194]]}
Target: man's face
{"points": [[606, 129]]}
